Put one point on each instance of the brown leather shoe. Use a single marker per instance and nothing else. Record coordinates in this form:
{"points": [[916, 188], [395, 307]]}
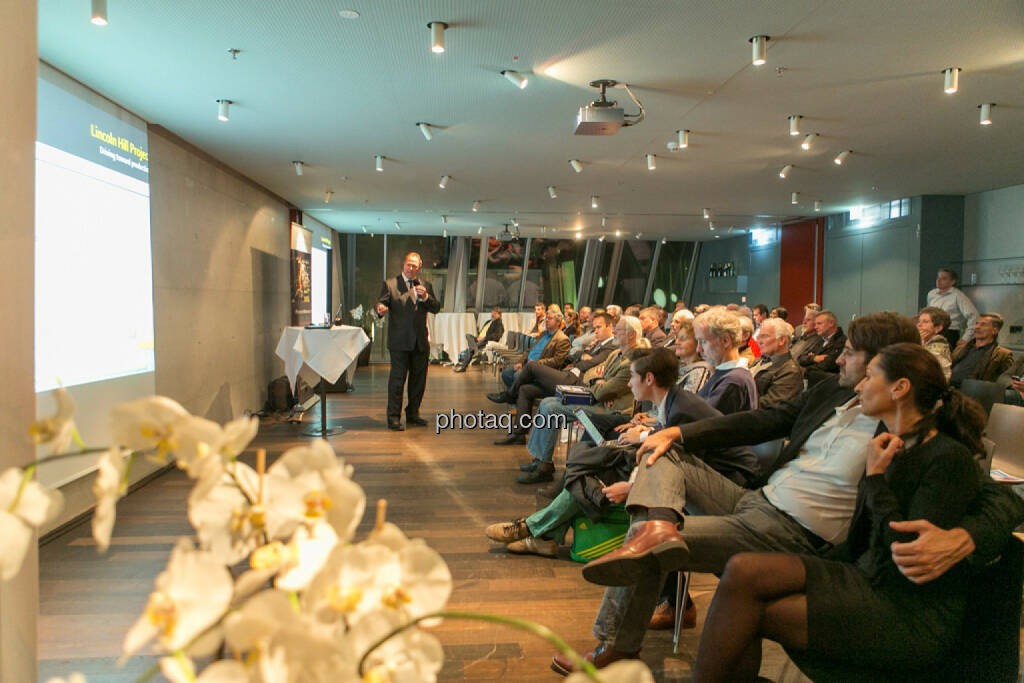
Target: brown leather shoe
{"points": [[601, 656], [656, 547], [664, 617]]}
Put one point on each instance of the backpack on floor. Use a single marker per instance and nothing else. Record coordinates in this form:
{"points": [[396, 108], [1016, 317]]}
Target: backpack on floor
{"points": [[592, 540]]}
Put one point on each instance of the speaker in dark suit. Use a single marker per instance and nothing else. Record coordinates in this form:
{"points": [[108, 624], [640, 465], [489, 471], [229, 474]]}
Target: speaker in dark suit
{"points": [[407, 300]]}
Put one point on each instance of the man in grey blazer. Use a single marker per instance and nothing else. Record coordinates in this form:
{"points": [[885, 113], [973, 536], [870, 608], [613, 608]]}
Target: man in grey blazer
{"points": [[408, 300]]}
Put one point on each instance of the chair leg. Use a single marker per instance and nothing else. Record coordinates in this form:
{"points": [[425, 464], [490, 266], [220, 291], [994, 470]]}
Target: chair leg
{"points": [[682, 588]]}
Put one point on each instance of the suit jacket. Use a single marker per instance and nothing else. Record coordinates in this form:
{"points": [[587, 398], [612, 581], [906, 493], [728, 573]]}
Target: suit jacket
{"points": [[778, 378], [801, 345], [830, 350], [615, 384], [494, 330], [995, 361], [656, 336], [554, 352], [407, 327], [600, 355]]}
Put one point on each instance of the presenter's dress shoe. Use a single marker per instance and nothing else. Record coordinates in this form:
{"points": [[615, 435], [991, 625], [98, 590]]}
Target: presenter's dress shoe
{"points": [[655, 547], [511, 439], [459, 368], [501, 397], [532, 545], [507, 532], [417, 421], [395, 426], [530, 466], [544, 472], [600, 657]]}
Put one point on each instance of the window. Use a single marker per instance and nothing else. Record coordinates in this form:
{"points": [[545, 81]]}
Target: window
{"points": [[634, 269], [670, 274], [504, 274], [551, 275]]}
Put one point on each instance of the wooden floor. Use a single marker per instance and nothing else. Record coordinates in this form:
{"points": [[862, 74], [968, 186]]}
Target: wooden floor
{"points": [[444, 488]]}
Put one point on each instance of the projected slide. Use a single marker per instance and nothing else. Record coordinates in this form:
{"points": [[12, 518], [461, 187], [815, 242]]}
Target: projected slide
{"points": [[93, 275]]}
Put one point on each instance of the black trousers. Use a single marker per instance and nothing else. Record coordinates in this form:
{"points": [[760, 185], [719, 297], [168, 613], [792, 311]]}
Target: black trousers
{"points": [[414, 365], [536, 381]]}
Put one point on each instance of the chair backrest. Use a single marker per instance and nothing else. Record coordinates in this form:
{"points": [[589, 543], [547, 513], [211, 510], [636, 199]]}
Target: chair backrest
{"points": [[1006, 429], [985, 393], [767, 454]]}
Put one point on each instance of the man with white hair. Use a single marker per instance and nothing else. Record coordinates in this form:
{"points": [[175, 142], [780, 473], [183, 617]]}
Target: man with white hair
{"points": [[731, 386], [778, 377]]}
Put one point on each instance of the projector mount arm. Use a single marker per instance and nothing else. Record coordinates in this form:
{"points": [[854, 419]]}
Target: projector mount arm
{"points": [[604, 84]]}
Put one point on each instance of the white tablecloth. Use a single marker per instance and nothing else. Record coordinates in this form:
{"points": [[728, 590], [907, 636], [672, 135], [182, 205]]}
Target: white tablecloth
{"points": [[325, 353], [516, 322], [449, 330]]}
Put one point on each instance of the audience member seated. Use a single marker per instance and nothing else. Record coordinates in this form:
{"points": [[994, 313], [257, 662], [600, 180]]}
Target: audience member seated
{"points": [[572, 324], [693, 370], [779, 312], [550, 349], [537, 379], [491, 331], [931, 323], [853, 605], [585, 313], [749, 350], [778, 377], [982, 357], [609, 382], [649, 321], [1013, 381], [614, 311], [539, 311], [819, 360], [805, 334], [759, 315], [963, 316], [595, 476], [700, 308], [731, 386], [632, 310]]}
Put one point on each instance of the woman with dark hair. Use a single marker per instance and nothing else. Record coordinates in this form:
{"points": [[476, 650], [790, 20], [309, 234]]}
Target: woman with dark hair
{"points": [[854, 605], [572, 324]]}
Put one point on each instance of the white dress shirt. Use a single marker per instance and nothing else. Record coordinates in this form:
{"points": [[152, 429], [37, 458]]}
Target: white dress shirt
{"points": [[818, 488], [962, 313]]}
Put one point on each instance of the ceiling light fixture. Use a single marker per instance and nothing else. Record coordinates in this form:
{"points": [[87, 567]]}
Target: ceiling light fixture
{"points": [[785, 170], [841, 157], [348, 14], [379, 162], [817, 205], [398, 226], [711, 226], [951, 80], [759, 50], [808, 139], [99, 12], [682, 141], [651, 164], [327, 196], [593, 201], [437, 36], [706, 213], [222, 109], [444, 181], [579, 234], [664, 241], [599, 239], [551, 192], [476, 206], [638, 235], [444, 220], [515, 78], [794, 198], [298, 167], [618, 233], [444, 233], [986, 113], [576, 165], [425, 129], [363, 227], [794, 124], [515, 222], [480, 230]]}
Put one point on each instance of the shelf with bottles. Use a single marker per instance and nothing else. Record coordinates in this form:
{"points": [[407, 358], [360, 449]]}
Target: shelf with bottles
{"points": [[723, 269], [991, 272]]}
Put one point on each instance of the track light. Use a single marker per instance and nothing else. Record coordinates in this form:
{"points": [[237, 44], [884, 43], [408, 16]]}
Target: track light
{"points": [[379, 162], [579, 234], [682, 141], [794, 198], [604, 221], [516, 78], [785, 170], [637, 236], [664, 241], [480, 230], [794, 124], [711, 226], [444, 220], [951, 80], [444, 233], [599, 239], [298, 167], [444, 181], [817, 205], [808, 139], [363, 227], [618, 233], [425, 129], [222, 109], [99, 12], [551, 192], [398, 226], [759, 50], [576, 165], [327, 197], [841, 157], [515, 222], [706, 213], [651, 164], [593, 201], [437, 36], [986, 113], [476, 206]]}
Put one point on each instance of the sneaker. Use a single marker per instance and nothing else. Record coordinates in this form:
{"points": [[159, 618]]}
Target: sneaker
{"points": [[506, 532], [532, 545]]}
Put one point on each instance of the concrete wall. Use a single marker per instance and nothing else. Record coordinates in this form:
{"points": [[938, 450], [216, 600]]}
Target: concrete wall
{"points": [[763, 275], [721, 290], [220, 280], [19, 598]]}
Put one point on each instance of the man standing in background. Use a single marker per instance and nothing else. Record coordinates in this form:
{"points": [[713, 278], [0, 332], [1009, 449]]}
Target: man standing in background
{"points": [[408, 300], [963, 316]]}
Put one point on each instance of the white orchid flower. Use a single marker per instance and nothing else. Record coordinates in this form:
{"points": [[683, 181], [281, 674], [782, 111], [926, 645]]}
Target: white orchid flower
{"points": [[226, 522], [312, 545], [238, 434], [190, 596], [25, 506], [58, 430], [195, 439], [73, 678], [146, 424], [108, 489], [182, 670], [412, 655], [623, 671]]}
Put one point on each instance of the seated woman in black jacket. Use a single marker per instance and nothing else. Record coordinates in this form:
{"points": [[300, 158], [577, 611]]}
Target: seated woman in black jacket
{"points": [[854, 605]]}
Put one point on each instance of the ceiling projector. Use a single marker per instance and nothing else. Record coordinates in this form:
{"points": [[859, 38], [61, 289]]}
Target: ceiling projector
{"points": [[507, 235], [603, 117]]}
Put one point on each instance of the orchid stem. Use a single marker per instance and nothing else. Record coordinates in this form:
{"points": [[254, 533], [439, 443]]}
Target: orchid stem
{"points": [[25, 479], [536, 629]]}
